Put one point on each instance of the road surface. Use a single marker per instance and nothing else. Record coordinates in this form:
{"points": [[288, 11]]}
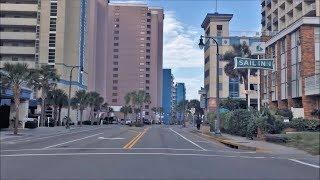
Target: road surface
{"points": [[150, 152]]}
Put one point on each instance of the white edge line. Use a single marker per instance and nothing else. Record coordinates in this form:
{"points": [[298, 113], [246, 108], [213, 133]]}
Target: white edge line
{"points": [[72, 141], [304, 163], [166, 154], [188, 139]]}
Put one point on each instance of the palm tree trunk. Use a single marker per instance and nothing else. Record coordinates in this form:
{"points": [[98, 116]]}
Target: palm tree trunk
{"points": [[55, 115], [43, 105], [90, 116], [81, 112], [59, 116], [16, 91]]}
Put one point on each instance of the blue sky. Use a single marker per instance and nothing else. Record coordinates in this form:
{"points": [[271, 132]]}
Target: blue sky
{"points": [[182, 28]]}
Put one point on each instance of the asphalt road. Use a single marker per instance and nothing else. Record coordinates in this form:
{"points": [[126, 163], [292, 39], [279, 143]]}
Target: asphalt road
{"points": [[150, 152]]}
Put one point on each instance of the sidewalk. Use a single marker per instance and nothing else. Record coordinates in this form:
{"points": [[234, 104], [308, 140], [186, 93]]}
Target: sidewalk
{"points": [[246, 144]]}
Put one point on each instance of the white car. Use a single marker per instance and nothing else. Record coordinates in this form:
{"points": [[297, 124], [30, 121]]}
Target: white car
{"points": [[128, 122]]}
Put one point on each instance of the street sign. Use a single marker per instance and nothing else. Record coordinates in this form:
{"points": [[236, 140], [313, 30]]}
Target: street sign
{"points": [[248, 63], [258, 48]]}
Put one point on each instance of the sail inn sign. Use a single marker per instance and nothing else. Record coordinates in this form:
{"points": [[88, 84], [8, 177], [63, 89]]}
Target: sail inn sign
{"points": [[247, 63]]}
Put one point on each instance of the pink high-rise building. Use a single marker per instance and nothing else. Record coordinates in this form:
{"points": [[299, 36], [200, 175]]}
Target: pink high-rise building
{"points": [[125, 48]]}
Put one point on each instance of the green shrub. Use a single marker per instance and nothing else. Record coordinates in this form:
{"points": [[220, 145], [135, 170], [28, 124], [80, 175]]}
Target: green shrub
{"points": [[299, 124], [237, 121], [211, 118], [313, 124], [285, 113]]}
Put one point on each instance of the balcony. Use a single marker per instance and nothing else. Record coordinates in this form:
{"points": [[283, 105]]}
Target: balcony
{"points": [[275, 20], [18, 21], [268, 3], [310, 9], [312, 86], [16, 50], [17, 35], [18, 7]]}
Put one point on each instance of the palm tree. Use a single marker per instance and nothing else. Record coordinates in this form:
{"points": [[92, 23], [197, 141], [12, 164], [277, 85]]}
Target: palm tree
{"points": [[46, 78], [15, 76], [126, 110], [237, 51], [160, 111], [58, 99], [137, 99], [155, 111], [80, 101], [94, 102]]}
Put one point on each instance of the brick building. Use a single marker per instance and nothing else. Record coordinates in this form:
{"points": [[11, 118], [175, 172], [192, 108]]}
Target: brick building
{"points": [[294, 43]]}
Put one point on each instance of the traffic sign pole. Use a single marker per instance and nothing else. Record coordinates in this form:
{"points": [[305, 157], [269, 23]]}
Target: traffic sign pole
{"points": [[258, 88], [248, 88]]}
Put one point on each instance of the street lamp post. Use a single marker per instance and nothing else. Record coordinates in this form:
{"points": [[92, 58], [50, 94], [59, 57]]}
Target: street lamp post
{"points": [[69, 95], [217, 122]]}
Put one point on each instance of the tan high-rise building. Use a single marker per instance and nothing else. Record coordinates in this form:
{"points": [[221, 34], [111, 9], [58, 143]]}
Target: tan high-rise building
{"points": [[62, 39], [292, 29], [18, 24], [52, 32], [217, 26]]}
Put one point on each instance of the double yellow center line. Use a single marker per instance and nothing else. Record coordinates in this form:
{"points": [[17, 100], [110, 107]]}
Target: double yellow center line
{"points": [[134, 141]]}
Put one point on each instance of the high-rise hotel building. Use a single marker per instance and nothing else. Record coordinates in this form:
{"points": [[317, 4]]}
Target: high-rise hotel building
{"points": [[49, 32], [134, 53], [292, 35]]}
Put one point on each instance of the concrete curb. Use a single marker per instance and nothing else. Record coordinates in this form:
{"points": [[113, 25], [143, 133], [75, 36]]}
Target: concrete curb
{"points": [[230, 143]]}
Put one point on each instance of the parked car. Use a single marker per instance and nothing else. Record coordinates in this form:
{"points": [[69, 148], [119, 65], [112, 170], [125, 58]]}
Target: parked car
{"points": [[146, 121], [128, 122]]}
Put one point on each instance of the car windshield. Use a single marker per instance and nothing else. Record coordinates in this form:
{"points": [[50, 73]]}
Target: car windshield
{"points": [[160, 89]]}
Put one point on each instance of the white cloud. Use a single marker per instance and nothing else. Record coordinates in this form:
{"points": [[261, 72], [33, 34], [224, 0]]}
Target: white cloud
{"points": [[180, 47]]}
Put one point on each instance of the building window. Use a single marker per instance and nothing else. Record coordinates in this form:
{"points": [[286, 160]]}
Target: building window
{"points": [[148, 32], [147, 75], [148, 44], [148, 50], [147, 87], [148, 14], [147, 113], [148, 20], [219, 30], [115, 69], [115, 81], [116, 38], [206, 73], [115, 88], [114, 100], [147, 57], [116, 44], [147, 63], [146, 106], [115, 56], [116, 20], [220, 86], [115, 63], [147, 69], [115, 50], [116, 25], [115, 75], [148, 38], [116, 32], [147, 81], [114, 94], [148, 26], [220, 71]]}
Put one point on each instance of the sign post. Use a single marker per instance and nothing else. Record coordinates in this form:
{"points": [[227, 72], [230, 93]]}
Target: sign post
{"points": [[247, 63]]}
